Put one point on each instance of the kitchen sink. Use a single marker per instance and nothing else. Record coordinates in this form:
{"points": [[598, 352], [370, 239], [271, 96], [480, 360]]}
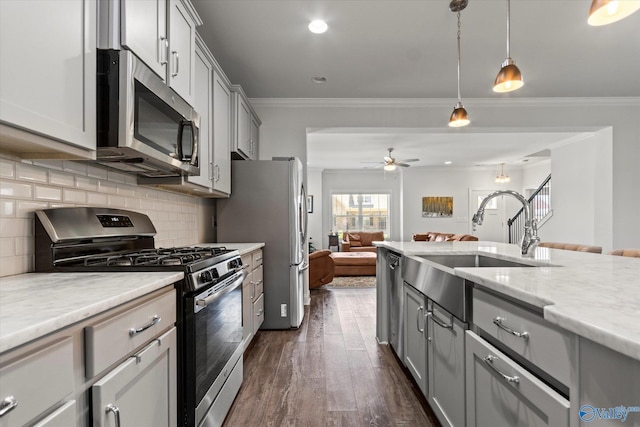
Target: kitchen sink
{"points": [[455, 261]]}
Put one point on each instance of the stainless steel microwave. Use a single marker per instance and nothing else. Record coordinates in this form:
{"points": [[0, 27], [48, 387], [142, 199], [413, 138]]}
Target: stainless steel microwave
{"points": [[144, 127]]}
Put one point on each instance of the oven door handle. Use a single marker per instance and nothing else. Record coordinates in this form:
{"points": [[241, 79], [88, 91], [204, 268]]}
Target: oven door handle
{"points": [[203, 302]]}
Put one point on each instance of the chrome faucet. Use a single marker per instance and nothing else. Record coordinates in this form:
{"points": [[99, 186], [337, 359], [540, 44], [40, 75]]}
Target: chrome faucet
{"points": [[530, 238]]}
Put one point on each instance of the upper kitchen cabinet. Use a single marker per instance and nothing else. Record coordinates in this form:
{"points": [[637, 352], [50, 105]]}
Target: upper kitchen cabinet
{"points": [[48, 78], [213, 101], [183, 20], [161, 33], [143, 30], [246, 127]]}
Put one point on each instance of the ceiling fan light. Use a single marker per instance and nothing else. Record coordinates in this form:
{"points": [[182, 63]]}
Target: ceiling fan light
{"points": [[605, 12], [509, 77], [459, 117], [389, 168]]}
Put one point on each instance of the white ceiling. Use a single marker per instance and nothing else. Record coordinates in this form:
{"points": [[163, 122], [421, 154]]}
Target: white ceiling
{"points": [[407, 49]]}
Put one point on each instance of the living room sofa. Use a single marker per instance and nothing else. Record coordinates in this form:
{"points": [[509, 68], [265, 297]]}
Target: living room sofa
{"points": [[360, 241], [321, 268], [433, 236]]}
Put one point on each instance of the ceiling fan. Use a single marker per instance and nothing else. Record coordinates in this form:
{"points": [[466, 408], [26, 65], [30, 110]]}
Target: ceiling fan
{"points": [[390, 163]]}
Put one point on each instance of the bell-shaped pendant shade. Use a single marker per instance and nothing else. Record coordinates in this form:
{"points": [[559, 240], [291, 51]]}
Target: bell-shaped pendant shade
{"points": [[459, 117], [509, 77], [605, 12]]}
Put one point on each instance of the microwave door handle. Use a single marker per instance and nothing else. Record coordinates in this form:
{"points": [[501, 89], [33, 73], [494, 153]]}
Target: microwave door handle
{"points": [[194, 145], [179, 141]]}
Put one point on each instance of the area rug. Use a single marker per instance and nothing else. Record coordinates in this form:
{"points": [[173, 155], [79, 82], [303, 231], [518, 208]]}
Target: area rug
{"points": [[352, 282]]}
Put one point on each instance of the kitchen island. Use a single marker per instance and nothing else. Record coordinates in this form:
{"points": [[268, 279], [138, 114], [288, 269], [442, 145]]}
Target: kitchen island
{"points": [[589, 302]]}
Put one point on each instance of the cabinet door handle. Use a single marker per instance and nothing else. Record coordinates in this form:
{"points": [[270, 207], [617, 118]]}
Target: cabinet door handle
{"points": [[489, 361], [164, 48], [420, 309], [498, 322], [7, 405], [116, 412], [253, 290], [177, 62], [135, 331], [438, 321]]}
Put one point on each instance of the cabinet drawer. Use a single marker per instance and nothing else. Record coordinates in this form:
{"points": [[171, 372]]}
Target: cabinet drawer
{"points": [[113, 339], [37, 382], [246, 262], [258, 283], [258, 313], [65, 416], [256, 258], [546, 346], [502, 393]]}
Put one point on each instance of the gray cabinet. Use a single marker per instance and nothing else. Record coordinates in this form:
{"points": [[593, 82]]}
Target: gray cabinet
{"points": [[246, 127], [143, 30], [252, 296], [31, 389], [415, 336], [221, 133], [501, 392], [446, 367], [48, 78], [141, 390], [183, 20]]}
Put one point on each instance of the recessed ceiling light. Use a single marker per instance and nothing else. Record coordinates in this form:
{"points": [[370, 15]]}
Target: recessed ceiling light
{"points": [[448, 162], [319, 79], [318, 26]]}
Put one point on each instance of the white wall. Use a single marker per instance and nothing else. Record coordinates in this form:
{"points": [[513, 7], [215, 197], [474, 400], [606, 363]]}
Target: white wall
{"points": [[316, 230], [534, 173], [285, 121]]}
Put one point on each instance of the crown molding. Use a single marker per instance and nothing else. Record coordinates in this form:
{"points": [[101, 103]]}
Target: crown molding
{"points": [[440, 102]]}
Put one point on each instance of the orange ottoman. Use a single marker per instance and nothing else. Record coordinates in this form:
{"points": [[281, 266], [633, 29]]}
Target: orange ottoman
{"points": [[354, 263]]}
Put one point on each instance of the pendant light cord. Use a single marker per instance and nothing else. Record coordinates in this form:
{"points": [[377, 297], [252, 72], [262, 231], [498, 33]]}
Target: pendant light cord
{"points": [[508, 28], [459, 96]]}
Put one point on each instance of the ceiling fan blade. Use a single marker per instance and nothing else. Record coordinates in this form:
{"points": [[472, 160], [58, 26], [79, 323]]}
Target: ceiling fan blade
{"points": [[409, 160], [377, 163], [404, 165]]}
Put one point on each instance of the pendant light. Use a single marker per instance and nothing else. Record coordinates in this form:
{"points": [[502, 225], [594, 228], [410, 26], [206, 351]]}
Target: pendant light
{"points": [[459, 117], [502, 178], [509, 77], [605, 12]]}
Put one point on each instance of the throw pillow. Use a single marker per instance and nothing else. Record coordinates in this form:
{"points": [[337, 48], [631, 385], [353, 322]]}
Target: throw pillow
{"points": [[354, 239]]}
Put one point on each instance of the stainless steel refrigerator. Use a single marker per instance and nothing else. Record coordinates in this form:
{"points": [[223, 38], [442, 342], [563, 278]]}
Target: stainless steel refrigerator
{"points": [[268, 204]]}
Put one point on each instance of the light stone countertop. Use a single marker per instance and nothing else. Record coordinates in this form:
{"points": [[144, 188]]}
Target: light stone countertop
{"points": [[595, 296], [35, 304], [243, 248]]}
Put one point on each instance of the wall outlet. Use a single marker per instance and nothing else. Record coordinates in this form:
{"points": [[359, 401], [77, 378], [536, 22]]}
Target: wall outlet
{"points": [[283, 310]]}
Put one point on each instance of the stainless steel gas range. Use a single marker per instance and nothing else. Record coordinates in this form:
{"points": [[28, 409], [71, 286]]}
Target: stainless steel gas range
{"points": [[209, 298]]}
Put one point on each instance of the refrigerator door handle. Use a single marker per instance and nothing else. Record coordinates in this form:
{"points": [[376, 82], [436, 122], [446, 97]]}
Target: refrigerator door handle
{"points": [[304, 266]]}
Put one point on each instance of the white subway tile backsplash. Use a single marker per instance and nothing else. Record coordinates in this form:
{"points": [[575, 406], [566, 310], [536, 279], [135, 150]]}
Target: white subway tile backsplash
{"points": [[15, 190], [74, 196], [86, 183], [74, 167], [97, 199], [7, 207], [27, 186], [26, 172], [7, 169], [25, 208], [62, 179], [96, 172], [48, 193]]}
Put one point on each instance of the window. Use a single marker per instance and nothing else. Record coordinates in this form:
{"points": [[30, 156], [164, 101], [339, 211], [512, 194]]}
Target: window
{"points": [[367, 212]]}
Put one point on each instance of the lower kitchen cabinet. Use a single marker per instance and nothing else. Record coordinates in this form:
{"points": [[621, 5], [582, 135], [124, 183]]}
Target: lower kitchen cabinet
{"points": [[252, 296], [415, 351], [501, 392], [446, 367], [31, 389], [141, 390]]}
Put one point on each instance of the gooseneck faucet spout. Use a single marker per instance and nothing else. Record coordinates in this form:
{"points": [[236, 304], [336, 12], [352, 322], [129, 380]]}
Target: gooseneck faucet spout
{"points": [[530, 238]]}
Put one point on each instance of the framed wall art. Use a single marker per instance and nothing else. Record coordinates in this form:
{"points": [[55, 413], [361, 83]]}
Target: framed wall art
{"points": [[437, 207]]}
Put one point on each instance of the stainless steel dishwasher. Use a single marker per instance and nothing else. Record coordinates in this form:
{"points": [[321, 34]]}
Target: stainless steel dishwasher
{"points": [[396, 309]]}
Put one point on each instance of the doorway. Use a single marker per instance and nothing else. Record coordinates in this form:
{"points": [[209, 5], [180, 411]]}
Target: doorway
{"points": [[494, 226]]}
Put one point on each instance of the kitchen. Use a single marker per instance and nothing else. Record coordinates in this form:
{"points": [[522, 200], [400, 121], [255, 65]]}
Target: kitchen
{"points": [[46, 183]]}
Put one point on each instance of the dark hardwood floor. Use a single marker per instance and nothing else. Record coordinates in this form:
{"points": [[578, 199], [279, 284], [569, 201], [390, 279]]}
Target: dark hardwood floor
{"points": [[329, 372]]}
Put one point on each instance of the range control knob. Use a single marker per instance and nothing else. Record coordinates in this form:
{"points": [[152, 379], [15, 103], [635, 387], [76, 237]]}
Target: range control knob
{"points": [[206, 276]]}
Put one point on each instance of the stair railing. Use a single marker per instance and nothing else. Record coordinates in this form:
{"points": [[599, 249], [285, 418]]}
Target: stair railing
{"points": [[540, 205]]}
